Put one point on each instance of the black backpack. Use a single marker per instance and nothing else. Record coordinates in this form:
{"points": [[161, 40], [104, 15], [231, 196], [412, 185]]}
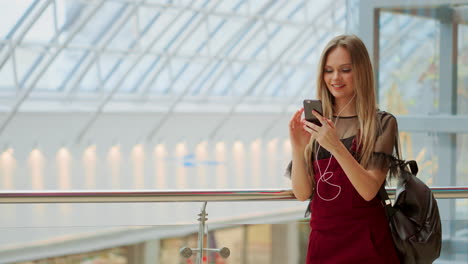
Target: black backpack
{"points": [[414, 217]]}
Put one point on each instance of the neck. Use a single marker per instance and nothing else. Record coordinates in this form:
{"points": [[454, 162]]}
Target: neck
{"points": [[344, 107]]}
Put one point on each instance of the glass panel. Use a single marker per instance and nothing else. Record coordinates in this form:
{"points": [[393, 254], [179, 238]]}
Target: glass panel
{"points": [[172, 39], [98, 25], [421, 147], [142, 72], [159, 33], [258, 45], [218, 84], [11, 13], [462, 157], [462, 91], [43, 29], [246, 78], [127, 35], [59, 69], [228, 6], [164, 79], [233, 30], [409, 50], [26, 60], [91, 80], [115, 78], [282, 238], [185, 74], [245, 38], [108, 65], [196, 43], [117, 255], [7, 79]]}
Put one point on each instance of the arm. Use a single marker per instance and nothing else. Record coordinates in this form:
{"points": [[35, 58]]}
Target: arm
{"points": [[301, 181], [366, 182]]}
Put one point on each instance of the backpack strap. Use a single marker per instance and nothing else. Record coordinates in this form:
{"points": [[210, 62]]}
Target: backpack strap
{"points": [[386, 202], [413, 166]]}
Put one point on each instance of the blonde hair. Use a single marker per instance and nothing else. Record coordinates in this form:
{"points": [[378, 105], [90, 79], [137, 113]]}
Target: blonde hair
{"points": [[364, 103]]}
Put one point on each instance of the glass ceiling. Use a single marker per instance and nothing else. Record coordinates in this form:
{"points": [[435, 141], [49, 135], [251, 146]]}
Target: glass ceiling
{"points": [[198, 51], [141, 50]]}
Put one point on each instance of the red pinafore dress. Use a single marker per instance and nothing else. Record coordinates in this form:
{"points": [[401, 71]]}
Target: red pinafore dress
{"points": [[345, 228]]}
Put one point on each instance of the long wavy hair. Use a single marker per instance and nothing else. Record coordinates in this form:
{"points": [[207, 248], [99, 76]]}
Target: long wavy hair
{"points": [[364, 103]]}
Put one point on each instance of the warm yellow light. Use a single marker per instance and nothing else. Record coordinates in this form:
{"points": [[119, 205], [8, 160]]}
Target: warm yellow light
{"points": [[8, 166], [90, 153], [201, 153], [255, 145], [89, 164], [138, 151], [138, 158], [160, 166], [220, 146], [181, 177], [273, 143], [63, 165], [36, 165], [221, 170], [114, 160], [255, 163], [239, 163]]}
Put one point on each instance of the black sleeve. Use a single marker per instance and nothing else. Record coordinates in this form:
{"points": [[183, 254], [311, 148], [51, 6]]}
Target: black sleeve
{"points": [[385, 155]]}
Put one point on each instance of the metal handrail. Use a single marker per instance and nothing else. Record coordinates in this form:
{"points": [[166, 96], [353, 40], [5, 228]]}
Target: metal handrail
{"points": [[144, 196]]}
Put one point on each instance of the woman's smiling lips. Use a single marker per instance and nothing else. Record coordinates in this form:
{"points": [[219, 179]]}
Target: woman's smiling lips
{"points": [[338, 86]]}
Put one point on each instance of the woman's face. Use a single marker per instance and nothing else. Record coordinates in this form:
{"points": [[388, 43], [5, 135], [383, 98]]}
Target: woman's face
{"points": [[338, 74]]}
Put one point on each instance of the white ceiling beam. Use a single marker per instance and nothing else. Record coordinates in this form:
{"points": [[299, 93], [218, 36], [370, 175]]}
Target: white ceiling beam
{"points": [[25, 93], [228, 65], [279, 70], [26, 28], [291, 44], [144, 91], [298, 96], [158, 126], [113, 31], [413, 3], [182, 56], [109, 96], [228, 15]]}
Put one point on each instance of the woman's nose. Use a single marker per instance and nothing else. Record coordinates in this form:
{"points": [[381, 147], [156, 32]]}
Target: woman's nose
{"points": [[335, 75]]}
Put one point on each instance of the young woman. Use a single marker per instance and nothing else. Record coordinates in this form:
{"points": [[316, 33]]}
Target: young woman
{"points": [[342, 164]]}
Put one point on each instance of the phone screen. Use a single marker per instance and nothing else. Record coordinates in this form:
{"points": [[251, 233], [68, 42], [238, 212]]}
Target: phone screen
{"points": [[310, 105]]}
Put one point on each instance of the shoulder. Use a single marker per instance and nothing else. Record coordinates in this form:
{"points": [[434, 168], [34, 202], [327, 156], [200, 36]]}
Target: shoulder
{"points": [[385, 117], [386, 120]]}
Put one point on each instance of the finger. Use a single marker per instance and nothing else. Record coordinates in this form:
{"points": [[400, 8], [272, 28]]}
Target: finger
{"points": [[295, 118], [299, 114], [311, 125], [330, 123], [296, 115], [308, 129], [319, 117]]}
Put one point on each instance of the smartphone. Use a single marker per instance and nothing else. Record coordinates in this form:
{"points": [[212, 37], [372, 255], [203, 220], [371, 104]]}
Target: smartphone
{"points": [[310, 105]]}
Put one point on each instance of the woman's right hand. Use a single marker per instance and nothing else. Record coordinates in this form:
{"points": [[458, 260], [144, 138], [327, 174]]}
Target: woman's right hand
{"points": [[297, 134]]}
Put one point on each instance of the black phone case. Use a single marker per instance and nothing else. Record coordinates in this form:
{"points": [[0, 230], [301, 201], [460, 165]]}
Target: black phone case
{"points": [[310, 105]]}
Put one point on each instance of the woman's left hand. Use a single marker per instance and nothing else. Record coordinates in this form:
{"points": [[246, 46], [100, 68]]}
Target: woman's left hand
{"points": [[326, 134]]}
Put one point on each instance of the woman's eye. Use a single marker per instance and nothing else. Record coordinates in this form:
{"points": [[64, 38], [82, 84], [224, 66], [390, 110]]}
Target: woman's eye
{"points": [[346, 70], [328, 71]]}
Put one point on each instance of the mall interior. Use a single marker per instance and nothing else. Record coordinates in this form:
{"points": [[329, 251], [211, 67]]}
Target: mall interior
{"points": [[122, 121]]}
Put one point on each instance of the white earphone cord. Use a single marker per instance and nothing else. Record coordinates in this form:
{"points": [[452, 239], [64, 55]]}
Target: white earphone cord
{"points": [[331, 174]]}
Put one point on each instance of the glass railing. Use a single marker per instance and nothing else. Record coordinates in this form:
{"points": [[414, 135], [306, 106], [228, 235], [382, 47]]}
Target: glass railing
{"points": [[244, 226]]}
